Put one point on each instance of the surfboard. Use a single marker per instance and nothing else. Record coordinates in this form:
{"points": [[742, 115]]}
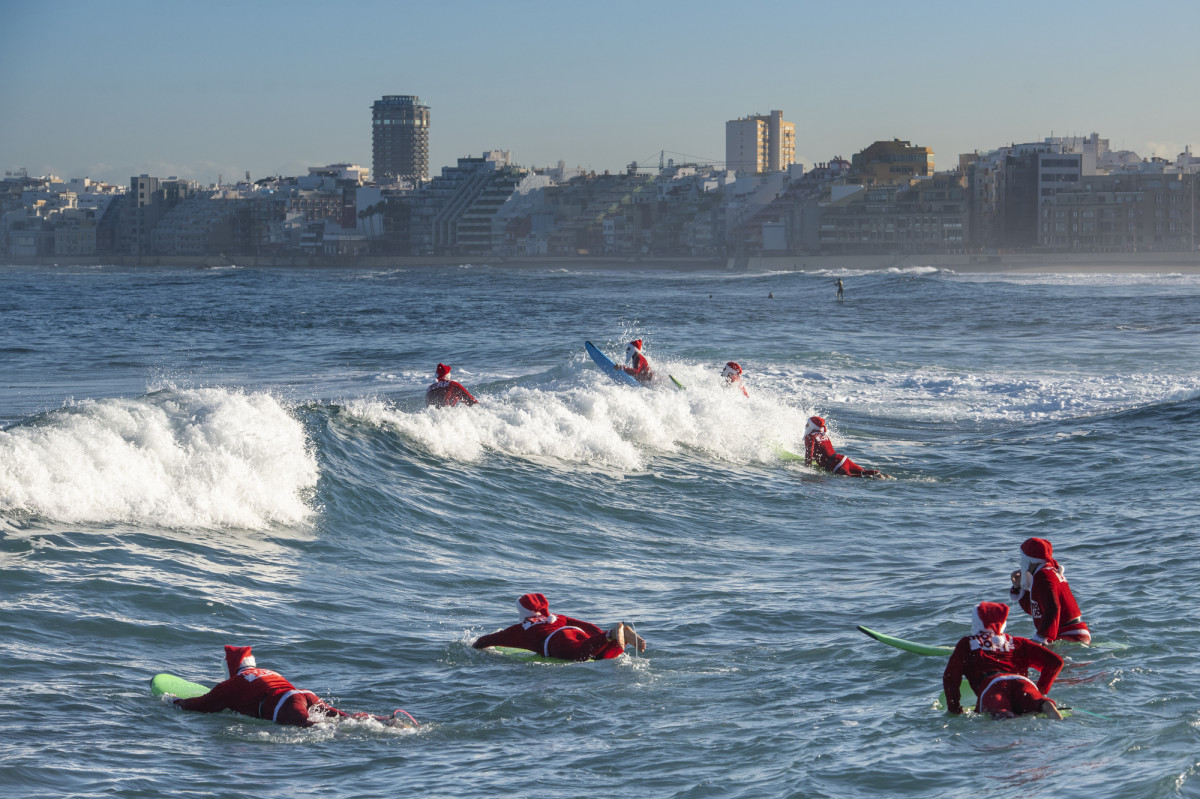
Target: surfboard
{"points": [[608, 367], [676, 382], [907, 646], [784, 455], [177, 686], [516, 653]]}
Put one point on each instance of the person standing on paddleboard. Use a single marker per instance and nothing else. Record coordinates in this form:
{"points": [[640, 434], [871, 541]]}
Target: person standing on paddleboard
{"points": [[638, 367], [1041, 590], [733, 376], [446, 393], [819, 452], [260, 694], [996, 666], [558, 636]]}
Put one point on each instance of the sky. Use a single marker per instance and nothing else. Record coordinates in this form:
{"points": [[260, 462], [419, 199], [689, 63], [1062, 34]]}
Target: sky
{"points": [[198, 90]]}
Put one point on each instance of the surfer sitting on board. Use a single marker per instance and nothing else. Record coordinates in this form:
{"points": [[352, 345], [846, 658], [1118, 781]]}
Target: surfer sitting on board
{"points": [[996, 666], [638, 367], [558, 636], [446, 393], [260, 694], [733, 376], [819, 452], [1042, 592]]}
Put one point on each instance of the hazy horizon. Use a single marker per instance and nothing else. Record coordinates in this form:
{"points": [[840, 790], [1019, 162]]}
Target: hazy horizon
{"points": [[112, 90]]}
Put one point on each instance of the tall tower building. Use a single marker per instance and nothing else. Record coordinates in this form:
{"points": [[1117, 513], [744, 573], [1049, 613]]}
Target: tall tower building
{"points": [[760, 144], [399, 138]]}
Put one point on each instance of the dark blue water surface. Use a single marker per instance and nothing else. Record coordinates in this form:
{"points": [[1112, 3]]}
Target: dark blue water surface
{"points": [[190, 458]]}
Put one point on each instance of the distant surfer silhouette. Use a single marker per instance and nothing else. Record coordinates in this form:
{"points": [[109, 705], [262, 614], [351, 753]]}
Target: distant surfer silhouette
{"points": [[840, 289]]}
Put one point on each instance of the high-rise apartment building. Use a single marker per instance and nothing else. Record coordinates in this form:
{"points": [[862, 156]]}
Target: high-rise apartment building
{"points": [[399, 138], [760, 144]]}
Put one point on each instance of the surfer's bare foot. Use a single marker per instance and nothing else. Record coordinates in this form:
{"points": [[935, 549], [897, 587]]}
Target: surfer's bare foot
{"points": [[617, 635], [1051, 710]]}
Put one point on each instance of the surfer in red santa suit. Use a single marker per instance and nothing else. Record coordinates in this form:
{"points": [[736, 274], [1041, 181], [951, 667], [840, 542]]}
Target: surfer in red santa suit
{"points": [[446, 393], [639, 367], [1042, 591], [733, 377], [996, 666], [819, 452], [260, 694], [558, 636]]}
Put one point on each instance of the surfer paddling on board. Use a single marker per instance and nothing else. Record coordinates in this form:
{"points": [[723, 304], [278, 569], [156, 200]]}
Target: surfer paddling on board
{"points": [[1041, 590], [446, 393], [263, 694], [733, 377], [996, 666], [638, 367], [819, 452], [558, 636]]}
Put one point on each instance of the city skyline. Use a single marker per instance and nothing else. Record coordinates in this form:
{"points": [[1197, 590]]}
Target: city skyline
{"points": [[114, 90]]}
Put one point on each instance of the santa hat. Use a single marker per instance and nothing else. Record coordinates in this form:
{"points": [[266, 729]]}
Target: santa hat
{"points": [[815, 425], [989, 616], [532, 605], [1037, 552], [442, 370], [238, 658], [636, 344], [732, 371]]}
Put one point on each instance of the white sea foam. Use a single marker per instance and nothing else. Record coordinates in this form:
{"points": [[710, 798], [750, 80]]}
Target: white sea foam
{"points": [[601, 424], [942, 396], [175, 458]]}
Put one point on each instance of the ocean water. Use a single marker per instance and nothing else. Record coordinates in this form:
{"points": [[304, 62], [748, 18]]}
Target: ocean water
{"points": [[190, 458]]}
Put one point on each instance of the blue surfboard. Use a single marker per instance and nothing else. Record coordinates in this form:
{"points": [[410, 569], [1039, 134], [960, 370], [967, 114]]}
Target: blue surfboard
{"points": [[608, 367]]}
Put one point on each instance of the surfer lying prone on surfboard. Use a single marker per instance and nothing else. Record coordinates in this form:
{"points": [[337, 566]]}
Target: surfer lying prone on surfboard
{"points": [[263, 694], [559, 636]]}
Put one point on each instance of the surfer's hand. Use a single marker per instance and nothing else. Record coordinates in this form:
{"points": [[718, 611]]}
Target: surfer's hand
{"points": [[1016, 580]]}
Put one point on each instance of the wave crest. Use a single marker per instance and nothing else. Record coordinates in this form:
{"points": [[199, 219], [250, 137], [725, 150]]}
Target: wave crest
{"points": [[208, 457]]}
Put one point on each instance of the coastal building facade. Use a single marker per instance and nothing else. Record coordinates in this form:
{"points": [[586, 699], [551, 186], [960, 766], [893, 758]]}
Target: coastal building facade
{"points": [[760, 145], [895, 161], [399, 139]]}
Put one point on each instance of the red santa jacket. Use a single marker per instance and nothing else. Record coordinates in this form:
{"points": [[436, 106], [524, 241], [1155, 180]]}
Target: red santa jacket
{"points": [[640, 368], [1051, 604], [986, 655], [252, 692], [448, 393]]}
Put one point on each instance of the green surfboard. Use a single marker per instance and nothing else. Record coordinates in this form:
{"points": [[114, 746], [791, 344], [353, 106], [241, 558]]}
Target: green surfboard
{"points": [[516, 653], [170, 684], [907, 646]]}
